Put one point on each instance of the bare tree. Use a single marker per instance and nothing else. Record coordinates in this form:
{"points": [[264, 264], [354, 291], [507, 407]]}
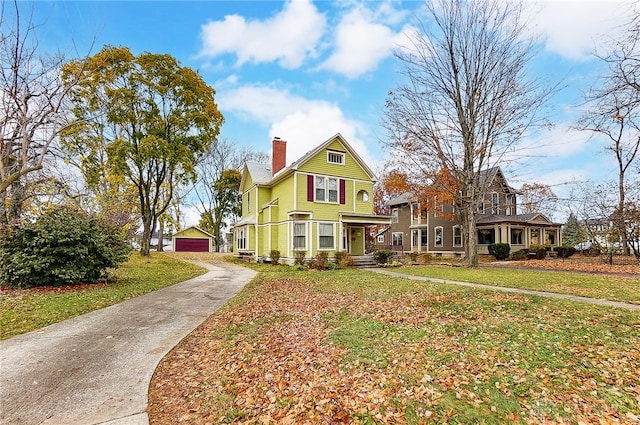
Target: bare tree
{"points": [[466, 99], [613, 112], [32, 112], [537, 197], [209, 190]]}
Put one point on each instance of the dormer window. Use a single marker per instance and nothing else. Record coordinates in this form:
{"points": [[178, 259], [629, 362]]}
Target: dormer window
{"points": [[334, 157]]}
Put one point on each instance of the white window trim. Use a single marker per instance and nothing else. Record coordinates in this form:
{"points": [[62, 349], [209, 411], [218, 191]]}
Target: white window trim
{"points": [[333, 237], [454, 236], [495, 203], [380, 239], [325, 187], [337, 154], [245, 233], [435, 237], [481, 208], [293, 236], [401, 238], [394, 215]]}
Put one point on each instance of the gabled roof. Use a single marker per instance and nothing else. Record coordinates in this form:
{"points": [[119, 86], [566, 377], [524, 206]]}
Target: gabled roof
{"points": [[403, 198], [489, 176], [306, 157], [261, 173], [529, 218], [194, 227]]}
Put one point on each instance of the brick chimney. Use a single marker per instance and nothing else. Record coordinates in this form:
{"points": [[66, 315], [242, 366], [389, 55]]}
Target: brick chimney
{"points": [[278, 155]]}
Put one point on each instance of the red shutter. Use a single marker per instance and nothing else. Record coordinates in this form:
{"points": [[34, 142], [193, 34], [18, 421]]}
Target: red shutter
{"points": [[309, 188], [343, 194]]}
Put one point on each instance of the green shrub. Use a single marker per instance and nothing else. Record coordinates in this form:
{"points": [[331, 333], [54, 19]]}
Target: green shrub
{"points": [[500, 250], [63, 246], [565, 251], [382, 256], [320, 261], [519, 255], [298, 257], [275, 256], [539, 250]]}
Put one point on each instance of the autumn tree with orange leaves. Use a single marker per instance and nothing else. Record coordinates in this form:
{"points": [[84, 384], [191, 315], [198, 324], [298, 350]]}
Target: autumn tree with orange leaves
{"points": [[430, 190]]}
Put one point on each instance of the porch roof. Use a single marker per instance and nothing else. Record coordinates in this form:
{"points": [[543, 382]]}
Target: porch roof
{"points": [[530, 219], [365, 219]]}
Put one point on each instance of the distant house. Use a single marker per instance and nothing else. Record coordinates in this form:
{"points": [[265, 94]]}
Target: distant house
{"points": [[193, 239], [323, 202], [415, 228], [155, 240]]}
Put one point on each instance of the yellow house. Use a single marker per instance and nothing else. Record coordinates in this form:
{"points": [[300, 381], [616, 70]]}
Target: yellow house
{"points": [[321, 202]]}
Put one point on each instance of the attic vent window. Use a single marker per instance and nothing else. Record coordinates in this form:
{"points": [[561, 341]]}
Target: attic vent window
{"points": [[335, 158]]}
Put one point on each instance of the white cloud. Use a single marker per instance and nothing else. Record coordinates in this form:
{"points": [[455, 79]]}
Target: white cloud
{"points": [[289, 37], [574, 29], [190, 216], [361, 43], [303, 123], [306, 129]]}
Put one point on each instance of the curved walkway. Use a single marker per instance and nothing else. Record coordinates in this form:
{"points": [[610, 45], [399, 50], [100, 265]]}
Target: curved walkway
{"points": [[515, 290], [96, 368]]}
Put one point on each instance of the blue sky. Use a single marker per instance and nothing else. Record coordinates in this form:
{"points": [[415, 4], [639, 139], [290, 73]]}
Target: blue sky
{"points": [[305, 70]]}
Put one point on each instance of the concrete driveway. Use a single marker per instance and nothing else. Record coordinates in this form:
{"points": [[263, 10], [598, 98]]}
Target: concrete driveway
{"points": [[96, 368]]}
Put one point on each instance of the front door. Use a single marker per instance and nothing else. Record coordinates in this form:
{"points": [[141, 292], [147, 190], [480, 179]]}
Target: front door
{"points": [[356, 240]]}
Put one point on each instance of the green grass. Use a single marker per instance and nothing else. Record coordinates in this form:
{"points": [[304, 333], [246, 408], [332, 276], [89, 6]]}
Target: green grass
{"points": [[27, 310], [608, 287], [425, 353]]}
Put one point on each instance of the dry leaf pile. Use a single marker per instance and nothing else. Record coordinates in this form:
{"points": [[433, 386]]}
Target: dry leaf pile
{"points": [[289, 352], [575, 265]]}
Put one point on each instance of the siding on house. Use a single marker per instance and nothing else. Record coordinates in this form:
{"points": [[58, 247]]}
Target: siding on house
{"points": [[275, 206], [497, 222]]}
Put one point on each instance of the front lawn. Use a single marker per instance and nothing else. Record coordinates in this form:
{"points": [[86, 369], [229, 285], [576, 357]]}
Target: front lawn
{"points": [[607, 287], [24, 310], [352, 346]]}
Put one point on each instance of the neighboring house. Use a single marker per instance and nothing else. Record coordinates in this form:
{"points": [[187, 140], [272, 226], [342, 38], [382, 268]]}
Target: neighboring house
{"points": [[322, 202], [166, 241], [193, 239], [416, 229]]}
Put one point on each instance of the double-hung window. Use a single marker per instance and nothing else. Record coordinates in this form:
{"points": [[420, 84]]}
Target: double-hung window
{"points": [[241, 238], [326, 189], [396, 239], [299, 236], [457, 236], [438, 236], [320, 188], [327, 239]]}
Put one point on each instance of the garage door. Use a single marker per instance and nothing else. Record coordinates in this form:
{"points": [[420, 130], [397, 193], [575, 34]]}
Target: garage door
{"points": [[192, 244]]}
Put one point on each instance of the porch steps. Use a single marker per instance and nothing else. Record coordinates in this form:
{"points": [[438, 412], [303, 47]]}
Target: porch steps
{"points": [[364, 261]]}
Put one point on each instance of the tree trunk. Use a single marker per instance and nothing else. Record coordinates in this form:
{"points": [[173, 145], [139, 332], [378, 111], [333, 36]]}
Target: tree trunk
{"points": [[160, 247], [472, 240], [147, 231]]}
